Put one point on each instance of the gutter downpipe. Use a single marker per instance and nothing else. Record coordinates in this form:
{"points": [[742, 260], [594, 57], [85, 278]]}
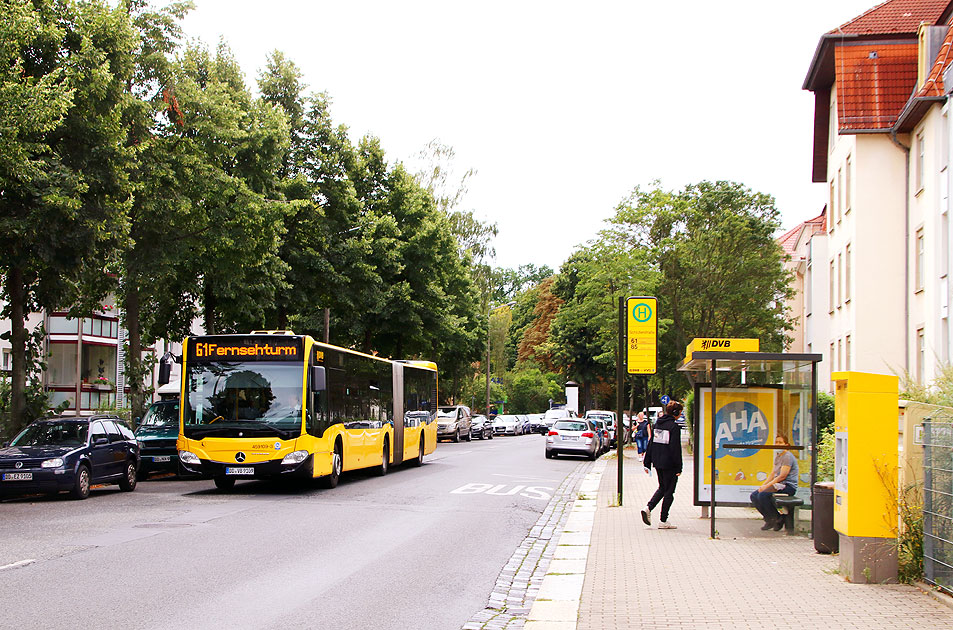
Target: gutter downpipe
{"points": [[906, 249]]}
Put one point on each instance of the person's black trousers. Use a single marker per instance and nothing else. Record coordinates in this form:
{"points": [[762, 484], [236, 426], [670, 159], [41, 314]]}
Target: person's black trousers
{"points": [[667, 479]]}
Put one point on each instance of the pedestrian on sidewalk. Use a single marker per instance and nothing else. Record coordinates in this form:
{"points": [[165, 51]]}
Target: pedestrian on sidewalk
{"points": [[783, 480], [643, 431], [665, 453]]}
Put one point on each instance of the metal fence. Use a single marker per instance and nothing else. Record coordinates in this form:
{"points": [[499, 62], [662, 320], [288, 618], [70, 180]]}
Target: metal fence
{"points": [[937, 440]]}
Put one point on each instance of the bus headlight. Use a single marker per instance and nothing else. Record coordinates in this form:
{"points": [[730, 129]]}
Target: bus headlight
{"points": [[295, 458], [188, 457], [56, 462]]}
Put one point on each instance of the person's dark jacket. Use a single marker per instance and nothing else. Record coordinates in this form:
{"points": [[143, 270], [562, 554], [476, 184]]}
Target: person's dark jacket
{"points": [[665, 448]]}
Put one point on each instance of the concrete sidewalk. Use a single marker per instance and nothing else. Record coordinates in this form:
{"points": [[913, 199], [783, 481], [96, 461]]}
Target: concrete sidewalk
{"points": [[610, 571]]}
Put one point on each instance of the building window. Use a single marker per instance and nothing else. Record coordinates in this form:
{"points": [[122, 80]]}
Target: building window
{"points": [[847, 273], [847, 186], [847, 353], [921, 159], [831, 296], [840, 354], [921, 356], [61, 365], [918, 270], [840, 193], [833, 358], [830, 207], [840, 283], [7, 360]]}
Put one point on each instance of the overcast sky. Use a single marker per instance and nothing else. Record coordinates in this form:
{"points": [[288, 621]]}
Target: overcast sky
{"points": [[561, 108]]}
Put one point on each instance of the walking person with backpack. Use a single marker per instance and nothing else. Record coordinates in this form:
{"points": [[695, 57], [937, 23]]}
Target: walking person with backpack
{"points": [[664, 452]]}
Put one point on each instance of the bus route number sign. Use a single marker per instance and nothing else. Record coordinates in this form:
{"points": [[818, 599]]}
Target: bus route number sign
{"points": [[641, 335]]}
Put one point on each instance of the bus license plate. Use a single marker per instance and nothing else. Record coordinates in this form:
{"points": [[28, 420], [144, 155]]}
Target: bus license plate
{"points": [[162, 458], [18, 476], [239, 471]]}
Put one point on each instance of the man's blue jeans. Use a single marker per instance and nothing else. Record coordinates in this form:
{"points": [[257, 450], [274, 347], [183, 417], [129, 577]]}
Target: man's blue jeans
{"points": [[765, 504]]}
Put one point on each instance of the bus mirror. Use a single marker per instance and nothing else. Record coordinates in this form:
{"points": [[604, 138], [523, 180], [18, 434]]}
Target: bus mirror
{"points": [[165, 373], [318, 380]]}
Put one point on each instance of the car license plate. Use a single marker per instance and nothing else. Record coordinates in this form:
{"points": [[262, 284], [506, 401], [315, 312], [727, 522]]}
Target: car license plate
{"points": [[239, 471], [570, 438], [18, 476], [162, 458]]}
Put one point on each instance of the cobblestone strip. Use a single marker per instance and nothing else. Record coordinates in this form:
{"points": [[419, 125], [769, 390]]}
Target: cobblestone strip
{"points": [[519, 581]]}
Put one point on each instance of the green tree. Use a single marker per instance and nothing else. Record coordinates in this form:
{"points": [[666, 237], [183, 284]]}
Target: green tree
{"points": [[530, 389], [721, 268], [153, 297], [63, 160]]}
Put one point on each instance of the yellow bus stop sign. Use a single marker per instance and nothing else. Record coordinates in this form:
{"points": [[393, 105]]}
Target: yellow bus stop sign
{"points": [[641, 335]]}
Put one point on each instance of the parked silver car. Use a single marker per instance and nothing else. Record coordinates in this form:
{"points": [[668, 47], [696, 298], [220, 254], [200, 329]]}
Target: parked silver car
{"points": [[507, 424], [453, 423], [572, 437]]}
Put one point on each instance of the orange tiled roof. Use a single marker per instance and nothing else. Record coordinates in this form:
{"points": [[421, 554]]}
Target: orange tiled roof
{"points": [[788, 241], [933, 86], [894, 16], [874, 82]]}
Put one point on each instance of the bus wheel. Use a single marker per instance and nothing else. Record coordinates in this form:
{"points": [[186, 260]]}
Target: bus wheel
{"points": [[224, 483], [420, 456], [385, 456], [337, 465]]}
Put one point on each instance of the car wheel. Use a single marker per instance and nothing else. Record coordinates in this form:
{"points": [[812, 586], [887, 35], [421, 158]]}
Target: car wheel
{"points": [[385, 461], [420, 456], [593, 455], [337, 465], [224, 483], [489, 435], [468, 437], [128, 481], [549, 455], [456, 436], [81, 484]]}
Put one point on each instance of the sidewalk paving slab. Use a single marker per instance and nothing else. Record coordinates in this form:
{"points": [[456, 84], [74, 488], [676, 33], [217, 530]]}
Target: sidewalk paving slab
{"points": [[640, 577]]}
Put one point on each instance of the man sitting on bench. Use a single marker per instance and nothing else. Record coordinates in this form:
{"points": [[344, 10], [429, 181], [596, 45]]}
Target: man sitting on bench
{"points": [[783, 480]]}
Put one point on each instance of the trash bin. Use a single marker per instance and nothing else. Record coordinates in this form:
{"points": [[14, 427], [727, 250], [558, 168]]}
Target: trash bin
{"points": [[825, 537]]}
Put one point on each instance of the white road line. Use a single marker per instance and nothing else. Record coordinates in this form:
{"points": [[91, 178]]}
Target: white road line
{"points": [[17, 565]]}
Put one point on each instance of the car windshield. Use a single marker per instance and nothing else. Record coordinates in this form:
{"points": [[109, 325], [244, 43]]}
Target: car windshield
{"points": [[447, 412], [506, 418], [161, 414], [570, 426], [239, 399], [52, 434], [600, 417], [557, 413]]}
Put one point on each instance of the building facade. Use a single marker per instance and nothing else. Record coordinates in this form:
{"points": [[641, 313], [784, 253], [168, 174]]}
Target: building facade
{"points": [[881, 146]]}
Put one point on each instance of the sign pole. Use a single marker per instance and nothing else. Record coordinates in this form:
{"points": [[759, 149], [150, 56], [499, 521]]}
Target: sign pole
{"points": [[641, 351], [713, 426], [620, 384]]}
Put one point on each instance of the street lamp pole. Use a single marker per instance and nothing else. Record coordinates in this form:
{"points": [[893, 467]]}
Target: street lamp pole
{"points": [[489, 312]]}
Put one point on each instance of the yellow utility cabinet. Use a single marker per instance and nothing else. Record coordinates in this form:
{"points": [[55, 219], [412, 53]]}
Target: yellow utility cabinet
{"points": [[865, 474]]}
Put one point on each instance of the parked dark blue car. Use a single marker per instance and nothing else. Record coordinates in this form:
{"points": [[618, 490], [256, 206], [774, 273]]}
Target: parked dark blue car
{"points": [[69, 453], [156, 435]]}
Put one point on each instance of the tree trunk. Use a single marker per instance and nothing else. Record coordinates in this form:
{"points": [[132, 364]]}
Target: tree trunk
{"points": [[282, 323], [18, 342], [134, 368]]}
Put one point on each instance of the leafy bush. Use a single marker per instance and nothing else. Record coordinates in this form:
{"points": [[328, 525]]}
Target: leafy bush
{"points": [[825, 454]]}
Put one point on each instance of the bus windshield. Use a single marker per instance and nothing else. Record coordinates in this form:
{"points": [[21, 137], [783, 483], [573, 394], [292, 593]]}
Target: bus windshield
{"points": [[244, 399]]}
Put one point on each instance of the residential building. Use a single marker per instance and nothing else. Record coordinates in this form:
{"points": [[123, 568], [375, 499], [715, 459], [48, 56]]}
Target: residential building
{"points": [[881, 146], [85, 357]]}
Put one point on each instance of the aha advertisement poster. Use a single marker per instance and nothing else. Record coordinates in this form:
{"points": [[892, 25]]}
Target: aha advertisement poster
{"points": [[742, 416]]}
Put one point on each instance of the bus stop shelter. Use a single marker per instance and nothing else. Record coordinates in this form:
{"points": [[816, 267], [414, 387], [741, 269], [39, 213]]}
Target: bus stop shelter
{"points": [[743, 400]]}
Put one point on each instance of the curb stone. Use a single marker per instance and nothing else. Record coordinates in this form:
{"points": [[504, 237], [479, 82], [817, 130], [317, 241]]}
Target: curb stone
{"points": [[523, 577]]}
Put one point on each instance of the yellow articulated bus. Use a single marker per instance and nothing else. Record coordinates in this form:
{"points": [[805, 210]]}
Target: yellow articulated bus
{"points": [[272, 404]]}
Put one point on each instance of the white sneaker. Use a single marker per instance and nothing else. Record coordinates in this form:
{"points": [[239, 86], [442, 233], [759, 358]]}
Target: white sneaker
{"points": [[666, 525], [647, 516]]}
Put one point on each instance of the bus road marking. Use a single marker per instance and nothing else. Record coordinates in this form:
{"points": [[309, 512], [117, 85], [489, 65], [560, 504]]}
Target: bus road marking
{"points": [[540, 493], [17, 565]]}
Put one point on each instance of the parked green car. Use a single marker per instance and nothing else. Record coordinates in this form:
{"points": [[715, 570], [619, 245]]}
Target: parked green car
{"points": [[156, 435]]}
